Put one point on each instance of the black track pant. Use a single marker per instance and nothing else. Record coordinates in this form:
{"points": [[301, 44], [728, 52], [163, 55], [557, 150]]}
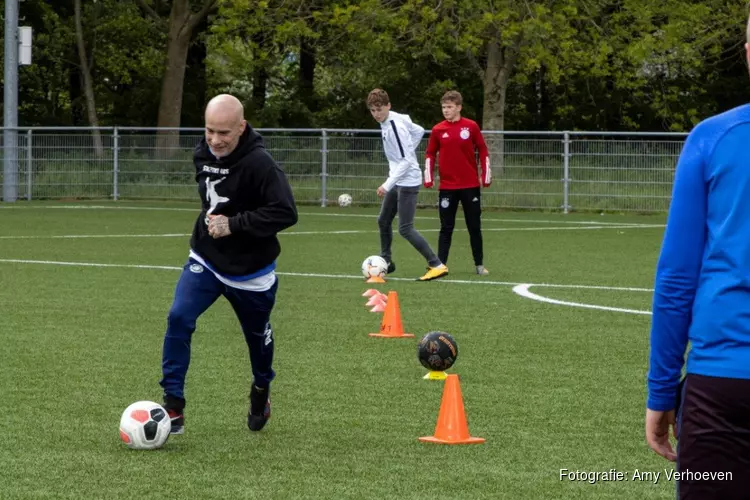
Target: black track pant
{"points": [[713, 450], [471, 202]]}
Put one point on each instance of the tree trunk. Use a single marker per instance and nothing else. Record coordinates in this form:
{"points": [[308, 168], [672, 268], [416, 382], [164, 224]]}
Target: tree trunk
{"points": [[194, 95], [260, 87], [182, 24], [259, 78], [542, 96], [88, 87], [307, 73], [170, 106], [500, 64], [75, 85]]}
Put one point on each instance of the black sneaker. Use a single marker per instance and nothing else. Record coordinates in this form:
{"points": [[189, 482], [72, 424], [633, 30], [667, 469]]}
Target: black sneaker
{"points": [[391, 267], [260, 408], [175, 409]]}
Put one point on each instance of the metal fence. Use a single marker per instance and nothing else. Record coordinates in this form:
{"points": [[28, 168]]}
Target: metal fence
{"points": [[557, 171]]}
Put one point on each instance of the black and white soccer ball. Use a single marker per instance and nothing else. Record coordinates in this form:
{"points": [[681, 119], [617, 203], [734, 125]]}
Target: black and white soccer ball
{"points": [[345, 200], [437, 351], [374, 266], [145, 425]]}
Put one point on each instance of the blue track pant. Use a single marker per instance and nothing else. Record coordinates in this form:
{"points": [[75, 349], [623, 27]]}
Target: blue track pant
{"points": [[195, 293]]}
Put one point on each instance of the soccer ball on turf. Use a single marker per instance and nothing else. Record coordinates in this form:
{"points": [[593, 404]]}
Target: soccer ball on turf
{"points": [[345, 200], [374, 266], [145, 425], [437, 351]]}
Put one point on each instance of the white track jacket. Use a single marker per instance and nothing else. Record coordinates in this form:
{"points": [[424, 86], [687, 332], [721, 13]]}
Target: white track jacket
{"points": [[401, 137]]}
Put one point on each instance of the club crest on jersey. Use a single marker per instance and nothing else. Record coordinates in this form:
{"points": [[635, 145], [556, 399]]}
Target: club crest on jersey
{"points": [[445, 202], [196, 268], [465, 134]]}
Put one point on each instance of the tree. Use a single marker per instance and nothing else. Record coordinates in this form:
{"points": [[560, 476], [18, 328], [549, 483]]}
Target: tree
{"points": [[495, 39], [181, 28], [641, 65], [547, 64], [266, 51], [88, 86]]}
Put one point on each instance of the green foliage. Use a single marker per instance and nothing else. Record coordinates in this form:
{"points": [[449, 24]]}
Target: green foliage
{"points": [[128, 58], [640, 65], [43, 97], [560, 64], [124, 52]]}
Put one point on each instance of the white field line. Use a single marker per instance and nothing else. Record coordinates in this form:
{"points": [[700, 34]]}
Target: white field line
{"points": [[177, 268], [95, 207], [489, 219], [484, 229], [87, 264], [307, 233], [320, 214], [523, 291], [326, 275], [75, 236]]}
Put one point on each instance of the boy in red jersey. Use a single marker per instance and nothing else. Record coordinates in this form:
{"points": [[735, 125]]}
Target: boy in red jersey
{"points": [[456, 139]]}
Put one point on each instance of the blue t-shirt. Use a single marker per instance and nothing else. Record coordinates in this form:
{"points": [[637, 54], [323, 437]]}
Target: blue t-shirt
{"points": [[702, 288]]}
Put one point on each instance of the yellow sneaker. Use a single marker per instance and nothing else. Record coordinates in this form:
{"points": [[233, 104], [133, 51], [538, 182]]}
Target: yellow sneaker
{"points": [[434, 273]]}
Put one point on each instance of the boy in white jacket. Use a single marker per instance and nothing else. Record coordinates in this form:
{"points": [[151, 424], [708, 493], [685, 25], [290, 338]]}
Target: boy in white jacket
{"points": [[399, 192]]}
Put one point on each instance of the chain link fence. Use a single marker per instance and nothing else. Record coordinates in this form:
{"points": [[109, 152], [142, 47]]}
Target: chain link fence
{"points": [[555, 171]]}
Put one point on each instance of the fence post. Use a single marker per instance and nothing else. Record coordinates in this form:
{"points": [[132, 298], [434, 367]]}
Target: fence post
{"points": [[115, 164], [566, 172], [28, 165], [324, 169]]}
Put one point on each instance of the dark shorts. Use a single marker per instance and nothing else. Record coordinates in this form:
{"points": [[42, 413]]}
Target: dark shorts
{"points": [[713, 451]]}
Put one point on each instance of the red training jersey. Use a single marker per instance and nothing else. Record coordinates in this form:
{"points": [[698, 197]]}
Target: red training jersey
{"points": [[456, 143]]}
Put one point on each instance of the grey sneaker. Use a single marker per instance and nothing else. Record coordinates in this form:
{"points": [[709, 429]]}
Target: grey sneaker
{"points": [[482, 271]]}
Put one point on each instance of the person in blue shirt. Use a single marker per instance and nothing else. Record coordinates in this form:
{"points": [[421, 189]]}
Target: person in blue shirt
{"points": [[702, 301]]}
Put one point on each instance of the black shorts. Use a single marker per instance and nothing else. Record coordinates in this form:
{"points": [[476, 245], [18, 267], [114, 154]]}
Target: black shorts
{"points": [[713, 449]]}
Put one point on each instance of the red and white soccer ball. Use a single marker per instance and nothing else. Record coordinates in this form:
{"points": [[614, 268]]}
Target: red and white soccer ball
{"points": [[374, 266], [145, 425]]}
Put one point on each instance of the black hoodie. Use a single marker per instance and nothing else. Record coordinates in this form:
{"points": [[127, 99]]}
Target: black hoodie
{"points": [[250, 189]]}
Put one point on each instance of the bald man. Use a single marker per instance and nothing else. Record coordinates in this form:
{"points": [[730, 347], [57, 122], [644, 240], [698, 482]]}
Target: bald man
{"points": [[246, 200]]}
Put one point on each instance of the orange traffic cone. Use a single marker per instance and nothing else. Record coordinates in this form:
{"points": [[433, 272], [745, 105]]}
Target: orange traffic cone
{"points": [[390, 326], [375, 279], [451, 425]]}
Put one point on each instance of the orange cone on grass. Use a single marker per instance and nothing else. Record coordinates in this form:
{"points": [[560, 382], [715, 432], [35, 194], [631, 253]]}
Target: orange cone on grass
{"points": [[451, 425], [390, 326]]}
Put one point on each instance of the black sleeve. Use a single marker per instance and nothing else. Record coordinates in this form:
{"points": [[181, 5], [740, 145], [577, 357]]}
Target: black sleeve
{"points": [[277, 212]]}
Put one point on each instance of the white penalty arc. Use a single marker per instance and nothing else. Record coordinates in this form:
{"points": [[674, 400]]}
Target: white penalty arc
{"points": [[523, 290]]}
